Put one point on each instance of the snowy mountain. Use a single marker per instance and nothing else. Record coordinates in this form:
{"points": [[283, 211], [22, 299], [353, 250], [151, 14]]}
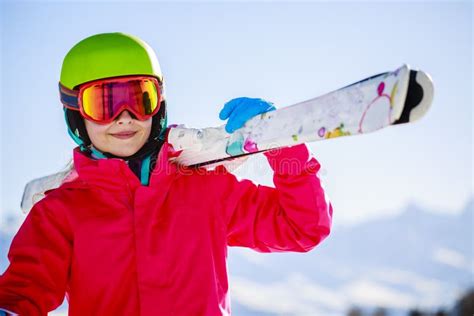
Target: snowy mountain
{"points": [[415, 259]]}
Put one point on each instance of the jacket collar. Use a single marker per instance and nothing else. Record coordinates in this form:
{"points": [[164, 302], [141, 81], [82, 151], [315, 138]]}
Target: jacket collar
{"points": [[114, 173]]}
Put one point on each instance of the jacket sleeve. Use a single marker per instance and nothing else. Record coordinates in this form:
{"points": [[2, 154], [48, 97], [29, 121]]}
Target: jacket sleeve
{"points": [[36, 279], [295, 215]]}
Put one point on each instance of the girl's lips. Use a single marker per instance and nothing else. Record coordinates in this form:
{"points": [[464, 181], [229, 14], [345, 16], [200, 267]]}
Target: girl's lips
{"points": [[124, 135]]}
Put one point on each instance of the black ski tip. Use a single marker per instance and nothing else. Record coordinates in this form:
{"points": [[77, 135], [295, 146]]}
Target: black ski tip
{"points": [[419, 97], [413, 99]]}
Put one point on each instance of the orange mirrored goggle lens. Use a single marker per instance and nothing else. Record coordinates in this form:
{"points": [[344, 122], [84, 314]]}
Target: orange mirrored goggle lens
{"points": [[103, 101]]}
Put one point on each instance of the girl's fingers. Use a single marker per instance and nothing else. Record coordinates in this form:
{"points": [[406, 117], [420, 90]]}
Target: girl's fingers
{"points": [[229, 107]]}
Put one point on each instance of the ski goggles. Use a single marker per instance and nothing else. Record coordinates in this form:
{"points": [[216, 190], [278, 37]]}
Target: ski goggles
{"points": [[103, 100]]}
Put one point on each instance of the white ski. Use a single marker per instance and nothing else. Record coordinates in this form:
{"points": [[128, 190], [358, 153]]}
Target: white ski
{"points": [[390, 98], [401, 96]]}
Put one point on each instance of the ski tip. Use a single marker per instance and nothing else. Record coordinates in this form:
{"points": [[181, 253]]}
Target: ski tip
{"points": [[419, 97]]}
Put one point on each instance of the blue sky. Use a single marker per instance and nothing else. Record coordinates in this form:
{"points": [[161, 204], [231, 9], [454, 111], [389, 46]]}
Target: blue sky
{"points": [[284, 52]]}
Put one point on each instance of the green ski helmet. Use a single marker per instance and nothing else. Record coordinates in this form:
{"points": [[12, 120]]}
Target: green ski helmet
{"points": [[110, 55]]}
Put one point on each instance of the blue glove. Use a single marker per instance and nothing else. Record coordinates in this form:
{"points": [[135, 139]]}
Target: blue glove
{"points": [[240, 110]]}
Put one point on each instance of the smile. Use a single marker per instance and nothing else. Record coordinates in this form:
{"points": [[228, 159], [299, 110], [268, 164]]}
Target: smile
{"points": [[124, 135]]}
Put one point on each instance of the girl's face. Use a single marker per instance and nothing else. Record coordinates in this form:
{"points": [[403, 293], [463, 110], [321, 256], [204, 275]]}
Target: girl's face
{"points": [[123, 137]]}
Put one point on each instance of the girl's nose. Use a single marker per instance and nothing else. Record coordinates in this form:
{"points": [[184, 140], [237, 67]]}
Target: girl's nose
{"points": [[124, 118]]}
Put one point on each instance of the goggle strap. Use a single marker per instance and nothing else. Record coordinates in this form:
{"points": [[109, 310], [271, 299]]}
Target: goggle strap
{"points": [[70, 98]]}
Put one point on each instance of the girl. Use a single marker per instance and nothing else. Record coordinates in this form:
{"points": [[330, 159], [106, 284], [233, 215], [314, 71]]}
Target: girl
{"points": [[130, 233]]}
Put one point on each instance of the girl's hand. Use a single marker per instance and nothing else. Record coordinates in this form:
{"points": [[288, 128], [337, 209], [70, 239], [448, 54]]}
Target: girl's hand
{"points": [[240, 110]]}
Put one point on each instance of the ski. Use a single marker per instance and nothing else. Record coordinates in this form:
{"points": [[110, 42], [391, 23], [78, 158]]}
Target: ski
{"points": [[390, 98]]}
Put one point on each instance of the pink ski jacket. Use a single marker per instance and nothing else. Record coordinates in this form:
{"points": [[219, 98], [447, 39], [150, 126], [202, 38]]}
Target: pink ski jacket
{"points": [[115, 247]]}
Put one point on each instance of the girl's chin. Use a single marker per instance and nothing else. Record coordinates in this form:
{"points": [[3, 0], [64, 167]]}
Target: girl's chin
{"points": [[125, 148], [122, 150], [121, 147]]}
